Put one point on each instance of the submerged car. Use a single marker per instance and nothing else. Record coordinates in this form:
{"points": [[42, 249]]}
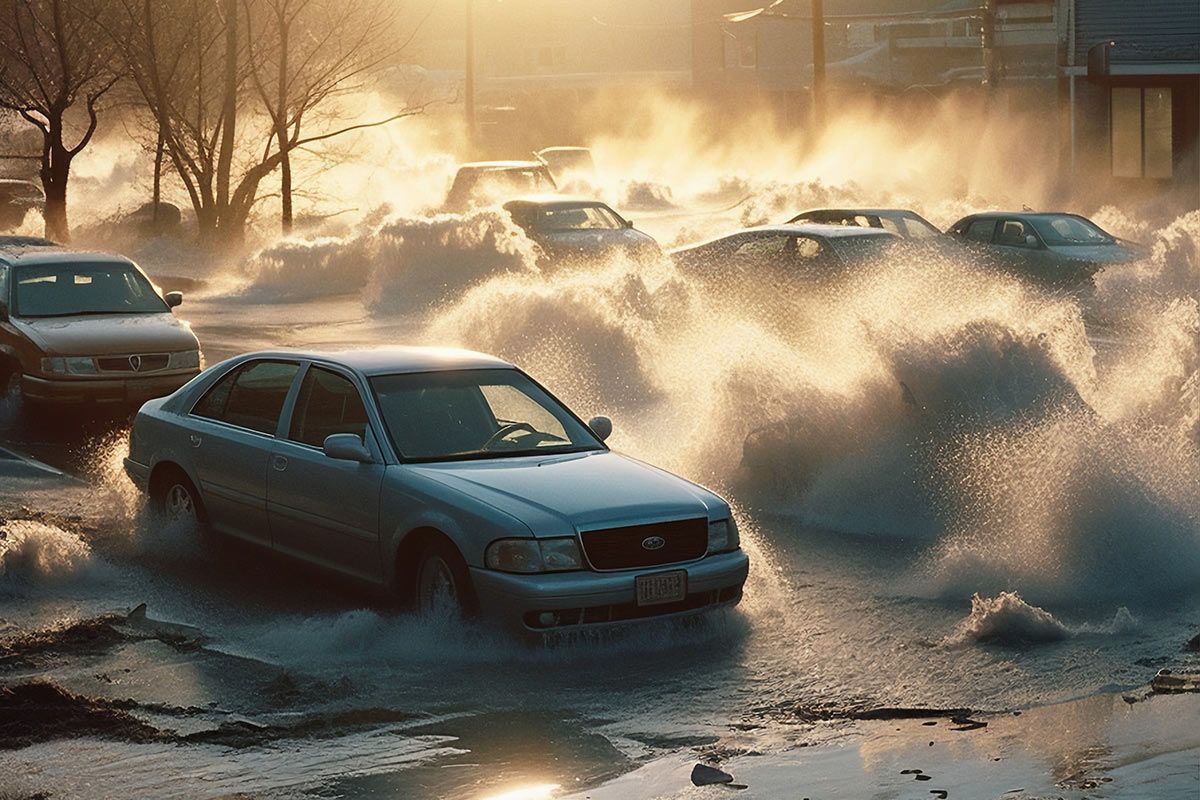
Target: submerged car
{"points": [[1053, 249], [450, 478], [802, 251], [568, 164], [80, 327], [487, 182], [567, 229]]}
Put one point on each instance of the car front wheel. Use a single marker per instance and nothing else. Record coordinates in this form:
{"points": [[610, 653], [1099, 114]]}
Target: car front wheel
{"points": [[443, 583], [178, 502]]}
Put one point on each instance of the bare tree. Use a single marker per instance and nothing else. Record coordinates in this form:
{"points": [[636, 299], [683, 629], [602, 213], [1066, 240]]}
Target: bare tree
{"points": [[201, 68], [303, 54], [54, 55]]}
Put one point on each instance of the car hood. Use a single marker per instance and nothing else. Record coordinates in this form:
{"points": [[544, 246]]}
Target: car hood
{"points": [[1099, 253], [108, 334], [554, 495]]}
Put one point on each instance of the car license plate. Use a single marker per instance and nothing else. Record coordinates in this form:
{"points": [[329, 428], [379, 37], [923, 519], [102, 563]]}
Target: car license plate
{"points": [[661, 587]]}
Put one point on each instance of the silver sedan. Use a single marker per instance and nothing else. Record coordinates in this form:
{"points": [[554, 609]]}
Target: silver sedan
{"points": [[448, 477]]}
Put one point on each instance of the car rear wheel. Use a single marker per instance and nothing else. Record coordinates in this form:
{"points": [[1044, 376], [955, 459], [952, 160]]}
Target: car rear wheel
{"points": [[443, 583], [176, 501]]}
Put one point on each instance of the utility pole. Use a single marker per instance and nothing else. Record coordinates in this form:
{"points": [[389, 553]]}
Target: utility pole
{"points": [[990, 64], [818, 45], [469, 87]]}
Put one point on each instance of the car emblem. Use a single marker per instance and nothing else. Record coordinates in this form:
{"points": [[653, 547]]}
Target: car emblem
{"points": [[653, 543], [135, 363]]}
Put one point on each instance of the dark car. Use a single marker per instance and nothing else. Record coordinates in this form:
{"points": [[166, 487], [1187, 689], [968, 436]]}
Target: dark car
{"points": [[799, 250], [900, 221], [487, 182], [567, 229], [1054, 249]]}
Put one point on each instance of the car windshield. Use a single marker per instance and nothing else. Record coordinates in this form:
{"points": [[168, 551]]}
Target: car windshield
{"points": [[918, 227], [578, 218], [856, 249], [64, 290], [476, 414], [1069, 230]]}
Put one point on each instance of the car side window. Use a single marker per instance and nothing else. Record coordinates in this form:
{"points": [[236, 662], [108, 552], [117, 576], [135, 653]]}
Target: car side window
{"points": [[762, 247], [981, 230], [1012, 233], [251, 396], [328, 403], [3, 285]]}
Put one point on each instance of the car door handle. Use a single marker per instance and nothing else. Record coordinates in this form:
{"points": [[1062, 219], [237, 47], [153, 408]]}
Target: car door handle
{"points": [[195, 440], [279, 463]]}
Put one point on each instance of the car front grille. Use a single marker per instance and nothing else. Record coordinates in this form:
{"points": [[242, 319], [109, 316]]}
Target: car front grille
{"points": [[147, 362], [633, 546]]}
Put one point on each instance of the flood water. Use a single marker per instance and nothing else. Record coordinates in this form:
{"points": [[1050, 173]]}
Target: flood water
{"points": [[893, 442]]}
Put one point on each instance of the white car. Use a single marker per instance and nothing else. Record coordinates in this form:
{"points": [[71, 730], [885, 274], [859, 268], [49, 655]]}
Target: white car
{"points": [[448, 477]]}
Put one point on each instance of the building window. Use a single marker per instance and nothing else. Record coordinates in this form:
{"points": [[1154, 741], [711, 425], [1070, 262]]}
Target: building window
{"points": [[1141, 132], [741, 49]]}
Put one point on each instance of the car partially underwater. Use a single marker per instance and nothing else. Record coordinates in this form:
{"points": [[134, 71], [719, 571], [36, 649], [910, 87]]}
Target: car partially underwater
{"points": [[1058, 250], [900, 221], [450, 479], [567, 229]]}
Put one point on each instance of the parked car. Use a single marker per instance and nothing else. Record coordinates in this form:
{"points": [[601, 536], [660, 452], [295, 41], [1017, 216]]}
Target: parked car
{"points": [[449, 477], [17, 197], [801, 251], [487, 182], [567, 229], [568, 164], [900, 221], [81, 327], [1054, 249]]}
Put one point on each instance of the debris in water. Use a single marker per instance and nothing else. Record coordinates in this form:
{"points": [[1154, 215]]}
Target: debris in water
{"points": [[1193, 645], [1167, 682], [704, 775], [41, 711], [967, 724], [169, 632]]}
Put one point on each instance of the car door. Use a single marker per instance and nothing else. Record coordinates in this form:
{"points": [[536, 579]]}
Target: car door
{"points": [[231, 434], [324, 509]]}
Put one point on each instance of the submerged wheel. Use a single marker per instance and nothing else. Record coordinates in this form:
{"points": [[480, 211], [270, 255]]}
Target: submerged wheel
{"points": [[443, 585], [177, 501]]}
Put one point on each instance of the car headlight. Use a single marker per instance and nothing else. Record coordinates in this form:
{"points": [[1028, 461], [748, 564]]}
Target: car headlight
{"points": [[723, 536], [69, 365], [184, 359], [534, 555]]}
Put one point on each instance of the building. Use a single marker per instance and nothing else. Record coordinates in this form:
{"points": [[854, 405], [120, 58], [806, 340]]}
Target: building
{"points": [[1131, 76]]}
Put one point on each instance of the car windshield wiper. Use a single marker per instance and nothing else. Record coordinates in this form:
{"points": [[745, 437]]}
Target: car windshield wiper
{"points": [[480, 455], [86, 313]]}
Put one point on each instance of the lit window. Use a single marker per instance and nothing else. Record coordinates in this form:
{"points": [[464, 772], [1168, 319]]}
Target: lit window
{"points": [[1141, 132]]}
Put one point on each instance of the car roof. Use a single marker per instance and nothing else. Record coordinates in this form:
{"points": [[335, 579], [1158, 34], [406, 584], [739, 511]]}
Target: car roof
{"points": [[554, 201], [393, 360], [817, 229], [1018, 214], [859, 211], [31, 254], [497, 165]]}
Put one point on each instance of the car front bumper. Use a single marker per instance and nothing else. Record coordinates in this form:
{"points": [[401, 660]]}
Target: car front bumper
{"points": [[577, 599], [109, 391]]}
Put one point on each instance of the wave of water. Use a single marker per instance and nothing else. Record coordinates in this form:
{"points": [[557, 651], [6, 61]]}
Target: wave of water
{"points": [[922, 399], [1008, 619]]}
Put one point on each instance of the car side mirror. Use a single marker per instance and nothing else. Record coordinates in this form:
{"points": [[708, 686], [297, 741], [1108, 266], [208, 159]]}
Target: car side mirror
{"points": [[347, 447], [173, 299], [1031, 240], [601, 426], [628, 223]]}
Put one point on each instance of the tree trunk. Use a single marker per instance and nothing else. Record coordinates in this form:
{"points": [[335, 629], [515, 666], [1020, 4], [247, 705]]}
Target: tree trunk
{"points": [[285, 191], [281, 128], [229, 107], [158, 162], [55, 171]]}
